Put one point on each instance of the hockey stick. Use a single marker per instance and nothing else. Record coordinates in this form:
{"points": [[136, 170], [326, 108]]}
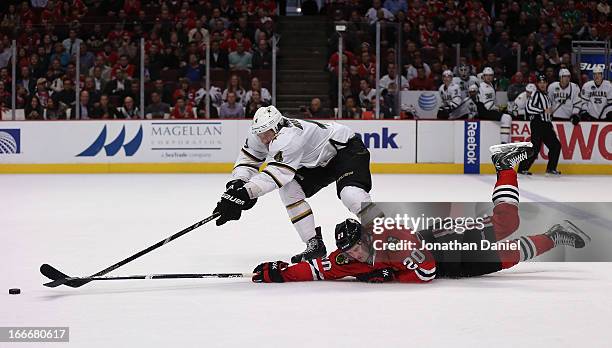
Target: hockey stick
{"points": [[58, 278], [164, 276]]}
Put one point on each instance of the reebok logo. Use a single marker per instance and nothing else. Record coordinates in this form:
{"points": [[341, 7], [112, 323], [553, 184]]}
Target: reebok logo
{"points": [[114, 146], [471, 149], [382, 140]]}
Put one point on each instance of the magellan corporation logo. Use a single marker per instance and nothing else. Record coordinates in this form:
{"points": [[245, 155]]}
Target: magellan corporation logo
{"points": [[114, 146], [10, 141]]}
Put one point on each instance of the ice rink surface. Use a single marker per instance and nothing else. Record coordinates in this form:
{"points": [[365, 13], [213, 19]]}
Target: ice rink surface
{"points": [[84, 223]]}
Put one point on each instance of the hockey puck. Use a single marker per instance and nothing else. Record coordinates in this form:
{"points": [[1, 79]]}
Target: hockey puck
{"points": [[15, 291]]}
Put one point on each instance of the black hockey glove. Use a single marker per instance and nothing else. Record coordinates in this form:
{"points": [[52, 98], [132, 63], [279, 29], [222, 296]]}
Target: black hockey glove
{"points": [[236, 184], [575, 119], [232, 203], [269, 272], [378, 276]]}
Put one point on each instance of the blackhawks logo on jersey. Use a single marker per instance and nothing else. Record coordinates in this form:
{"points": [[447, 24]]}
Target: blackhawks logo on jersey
{"points": [[278, 157], [342, 259]]}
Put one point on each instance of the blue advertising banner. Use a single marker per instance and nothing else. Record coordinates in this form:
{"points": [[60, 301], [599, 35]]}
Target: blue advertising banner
{"points": [[471, 147]]}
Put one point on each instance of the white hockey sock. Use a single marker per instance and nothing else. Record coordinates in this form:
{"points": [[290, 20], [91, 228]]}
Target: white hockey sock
{"points": [[352, 197], [299, 211], [504, 128], [302, 219]]}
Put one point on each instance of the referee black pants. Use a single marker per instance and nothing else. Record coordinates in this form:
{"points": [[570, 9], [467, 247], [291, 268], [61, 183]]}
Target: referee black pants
{"points": [[542, 131]]}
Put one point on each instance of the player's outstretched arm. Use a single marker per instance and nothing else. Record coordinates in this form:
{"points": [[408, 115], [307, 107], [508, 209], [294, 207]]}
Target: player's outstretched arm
{"points": [[280, 272], [336, 266]]}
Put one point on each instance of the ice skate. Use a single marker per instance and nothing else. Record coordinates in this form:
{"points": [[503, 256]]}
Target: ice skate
{"points": [[568, 234], [506, 156], [314, 248]]}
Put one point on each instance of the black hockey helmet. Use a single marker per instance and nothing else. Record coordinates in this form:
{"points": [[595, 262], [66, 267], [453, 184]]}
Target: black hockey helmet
{"points": [[348, 233], [541, 77]]}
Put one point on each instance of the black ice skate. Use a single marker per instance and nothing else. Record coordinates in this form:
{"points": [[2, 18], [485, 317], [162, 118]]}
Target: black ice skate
{"points": [[568, 234], [506, 156], [314, 248], [553, 173]]}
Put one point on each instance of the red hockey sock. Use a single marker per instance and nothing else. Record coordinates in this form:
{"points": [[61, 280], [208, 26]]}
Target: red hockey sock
{"points": [[505, 198], [506, 187], [530, 247]]}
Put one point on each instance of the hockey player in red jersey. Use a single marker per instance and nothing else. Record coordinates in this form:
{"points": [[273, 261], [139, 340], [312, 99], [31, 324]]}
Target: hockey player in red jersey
{"points": [[357, 257]]}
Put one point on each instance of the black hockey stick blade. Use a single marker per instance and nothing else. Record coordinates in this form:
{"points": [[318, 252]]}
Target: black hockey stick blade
{"points": [[58, 278]]}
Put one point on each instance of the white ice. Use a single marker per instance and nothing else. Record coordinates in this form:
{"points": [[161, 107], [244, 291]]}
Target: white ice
{"points": [[84, 223]]}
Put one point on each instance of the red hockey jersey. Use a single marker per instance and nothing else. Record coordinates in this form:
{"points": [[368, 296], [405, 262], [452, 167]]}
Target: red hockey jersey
{"points": [[410, 266]]}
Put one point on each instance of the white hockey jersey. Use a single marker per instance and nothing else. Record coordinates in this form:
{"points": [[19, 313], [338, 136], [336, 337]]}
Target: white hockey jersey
{"points": [[486, 95], [465, 84], [596, 100], [517, 108], [565, 101], [299, 143], [453, 101]]}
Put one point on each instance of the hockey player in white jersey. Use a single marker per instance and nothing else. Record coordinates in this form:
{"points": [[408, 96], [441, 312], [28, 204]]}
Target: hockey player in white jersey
{"points": [[464, 80], [487, 107], [596, 98], [454, 105], [565, 98], [519, 104], [302, 158]]}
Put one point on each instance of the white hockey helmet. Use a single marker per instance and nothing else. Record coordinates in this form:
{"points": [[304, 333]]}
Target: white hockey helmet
{"points": [[564, 72], [488, 71], [597, 70], [531, 88], [473, 88], [447, 73], [266, 118]]}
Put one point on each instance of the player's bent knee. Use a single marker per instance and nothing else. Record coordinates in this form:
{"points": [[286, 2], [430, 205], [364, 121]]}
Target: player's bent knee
{"points": [[291, 193], [352, 197]]}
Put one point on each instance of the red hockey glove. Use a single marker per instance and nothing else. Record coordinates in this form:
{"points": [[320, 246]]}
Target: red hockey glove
{"points": [[378, 276], [269, 272]]}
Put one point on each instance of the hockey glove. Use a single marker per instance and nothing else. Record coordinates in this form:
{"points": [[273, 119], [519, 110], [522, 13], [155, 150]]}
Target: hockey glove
{"points": [[378, 276], [231, 205], [236, 184], [269, 272], [575, 119]]}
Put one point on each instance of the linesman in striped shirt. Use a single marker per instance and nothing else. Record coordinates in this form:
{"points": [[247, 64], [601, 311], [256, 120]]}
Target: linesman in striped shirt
{"points": [[539, 110]]}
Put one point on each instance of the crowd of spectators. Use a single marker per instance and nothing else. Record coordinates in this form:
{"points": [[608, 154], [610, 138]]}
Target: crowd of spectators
{"points": [[488, 34], [107, 34]]}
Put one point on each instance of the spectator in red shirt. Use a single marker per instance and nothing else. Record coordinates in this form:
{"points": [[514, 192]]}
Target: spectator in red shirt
{"points": [[109, 54], [332, 65], [231, 44], [182, 109], [429, 36], [184, 91], [367, 66], [124, 64], [422, 82]]}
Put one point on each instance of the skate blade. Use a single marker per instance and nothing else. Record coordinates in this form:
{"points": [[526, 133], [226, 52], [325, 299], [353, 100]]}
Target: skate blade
{"points": [[501, 147], [570, 226]]}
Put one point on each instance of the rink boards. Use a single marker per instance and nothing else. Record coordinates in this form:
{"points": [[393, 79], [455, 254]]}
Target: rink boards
{"points": [[396, 146]]}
